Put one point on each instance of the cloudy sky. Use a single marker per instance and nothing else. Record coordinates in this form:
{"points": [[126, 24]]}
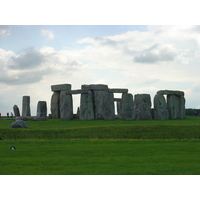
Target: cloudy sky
{"points": [[143, 59]]}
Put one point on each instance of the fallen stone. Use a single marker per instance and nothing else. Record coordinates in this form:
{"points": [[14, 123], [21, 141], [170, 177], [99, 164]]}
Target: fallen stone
{"points": [[19, 124]]}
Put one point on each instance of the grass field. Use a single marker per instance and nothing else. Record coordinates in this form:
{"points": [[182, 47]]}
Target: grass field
{"points": [[101, 147]]}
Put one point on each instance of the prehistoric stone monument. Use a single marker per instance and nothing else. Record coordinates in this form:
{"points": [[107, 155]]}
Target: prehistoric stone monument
{"points": [[26, 111], [174, 108], [97, 102], [16, 111], [42, 110]]}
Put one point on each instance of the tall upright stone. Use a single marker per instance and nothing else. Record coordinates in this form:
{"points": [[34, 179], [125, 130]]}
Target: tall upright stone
{"points": [[108, 108], [172, 106], [87, 106], [42, 109], [55, 99], [160, 107], [55, 105], [66, 106], [26, 111], [119, 108], [143, 106], [128, 109], [16, 111]]}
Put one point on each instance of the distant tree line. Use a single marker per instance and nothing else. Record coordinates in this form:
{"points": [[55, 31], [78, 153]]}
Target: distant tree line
{"points": [[192, 112]]}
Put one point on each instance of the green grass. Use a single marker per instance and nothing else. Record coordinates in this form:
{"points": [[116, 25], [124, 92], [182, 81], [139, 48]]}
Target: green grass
{"points": [[101, 147], [96, 157]]}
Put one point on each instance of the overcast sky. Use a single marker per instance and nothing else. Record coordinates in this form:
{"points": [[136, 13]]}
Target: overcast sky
{"points": [[143, 59]]}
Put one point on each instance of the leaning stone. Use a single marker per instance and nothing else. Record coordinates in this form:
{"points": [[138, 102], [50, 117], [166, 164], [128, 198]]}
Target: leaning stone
{"points": [[19, 124], [42, 109], [108, 108], [127, 110], [160, 108], [66, 106], [55, 105], [26, 111], [16, 111], [143, 106]]}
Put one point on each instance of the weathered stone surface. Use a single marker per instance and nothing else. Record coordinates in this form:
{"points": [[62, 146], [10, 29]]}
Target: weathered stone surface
{"points": [[108, 108], [160, 107], [172, 92], [16, 111], [78, 113], [19, 124], [116, 90], [74, 92], [87, 106], [66, 106], [143, 106], [26, 111], [94, 87], [61, 87], [176, 106], [42, 109], [55, 105], [128, 109]]}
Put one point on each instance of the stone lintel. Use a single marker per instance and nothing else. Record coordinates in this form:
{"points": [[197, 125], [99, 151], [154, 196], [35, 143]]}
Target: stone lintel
{"points": [[97, 87], [116, 90], [61, 87], [172, 92], [74, 92]]}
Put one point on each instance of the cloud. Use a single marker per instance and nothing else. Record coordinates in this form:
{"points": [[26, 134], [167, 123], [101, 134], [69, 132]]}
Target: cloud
{"points": [[30, 59], [4, 30], [49, 34], [156, 53]]}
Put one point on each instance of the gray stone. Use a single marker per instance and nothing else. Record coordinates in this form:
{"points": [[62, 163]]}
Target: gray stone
{"points": [[87, 106], [74, 92], [108, 108], [116, 90], [176, 106], [66, 106], [94, 87], [173, 92], [42, 109], [143, 106], [26, 111], [119, 108], [19, 124], [55, 105], [160, 108], [128, 109], [61, 87], [16, 111]]}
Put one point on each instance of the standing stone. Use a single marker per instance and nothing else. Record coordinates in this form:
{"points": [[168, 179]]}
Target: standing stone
{"points": [[66, 106], [143, 106], [55, 105], [128, 110], [160, 107], [26, 111], [182, 107], [172, 106], [42, 109], [108, 108], [87, 106], [16, 111]]}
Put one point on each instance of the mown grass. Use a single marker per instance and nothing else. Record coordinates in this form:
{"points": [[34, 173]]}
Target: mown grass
{"points": [[101, 147], [188, 128], [100, 156]]}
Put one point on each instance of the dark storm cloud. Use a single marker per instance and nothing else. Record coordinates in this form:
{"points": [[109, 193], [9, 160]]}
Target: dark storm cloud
{"points": [[156, 53], [31, 59]]}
